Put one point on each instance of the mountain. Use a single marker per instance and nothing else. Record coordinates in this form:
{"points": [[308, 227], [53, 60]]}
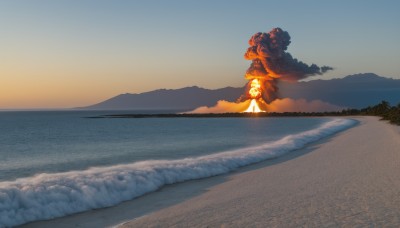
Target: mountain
{"points": [[353, 91], [186, 99]]}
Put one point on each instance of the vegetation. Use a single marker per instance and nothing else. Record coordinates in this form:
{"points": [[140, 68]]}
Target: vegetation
{"points": [[383, 109]]}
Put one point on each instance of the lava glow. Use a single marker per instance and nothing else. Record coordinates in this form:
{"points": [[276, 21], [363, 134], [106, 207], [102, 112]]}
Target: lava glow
{"points": [[270, 64], [255, 92], [253, 107]]}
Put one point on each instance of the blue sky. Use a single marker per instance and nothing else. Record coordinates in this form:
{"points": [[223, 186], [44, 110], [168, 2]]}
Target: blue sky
{"points": [[71, 53]]}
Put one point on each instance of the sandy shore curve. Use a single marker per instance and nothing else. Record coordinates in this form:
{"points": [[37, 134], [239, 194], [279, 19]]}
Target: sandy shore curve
{"points": [[351, 180]]}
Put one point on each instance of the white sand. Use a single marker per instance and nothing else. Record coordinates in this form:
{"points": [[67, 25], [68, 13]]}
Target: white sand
{"points": [[352, 179]]}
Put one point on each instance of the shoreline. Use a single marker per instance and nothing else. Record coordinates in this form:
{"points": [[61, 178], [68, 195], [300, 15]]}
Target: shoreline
{"points": [[349, 180], [222, 115], [174, 195]]}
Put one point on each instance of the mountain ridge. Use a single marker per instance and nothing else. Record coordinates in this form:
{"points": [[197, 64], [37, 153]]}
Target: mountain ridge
{"points": [[352, 91]]}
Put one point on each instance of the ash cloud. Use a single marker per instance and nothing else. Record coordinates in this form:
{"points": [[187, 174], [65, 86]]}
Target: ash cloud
{"points": [[270, 60]]}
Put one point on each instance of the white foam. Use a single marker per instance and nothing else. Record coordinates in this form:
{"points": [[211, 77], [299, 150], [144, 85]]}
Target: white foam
{"points": [[47, 196]]}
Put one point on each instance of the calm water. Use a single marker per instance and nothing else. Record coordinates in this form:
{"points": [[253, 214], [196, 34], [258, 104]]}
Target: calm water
{"points": [[58, 141]]}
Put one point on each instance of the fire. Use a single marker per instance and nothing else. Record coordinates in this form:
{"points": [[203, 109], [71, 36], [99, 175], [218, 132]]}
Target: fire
{"points": [[270, 63], [253, 107], [255, 93], [255, 89]]}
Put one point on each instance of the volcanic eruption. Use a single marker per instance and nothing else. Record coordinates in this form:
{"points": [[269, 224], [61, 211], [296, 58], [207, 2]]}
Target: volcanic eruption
{"points": [[271, 63]]}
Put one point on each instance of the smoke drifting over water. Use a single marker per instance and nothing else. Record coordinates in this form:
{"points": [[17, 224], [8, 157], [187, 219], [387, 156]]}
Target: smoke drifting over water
{"points": [[278, 105], [223, 107]]}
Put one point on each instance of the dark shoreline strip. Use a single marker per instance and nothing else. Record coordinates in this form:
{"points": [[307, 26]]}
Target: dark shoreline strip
{"points": [[219, 115]]}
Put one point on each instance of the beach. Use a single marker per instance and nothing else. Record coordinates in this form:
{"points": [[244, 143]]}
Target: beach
{"points": [[349, 179]]}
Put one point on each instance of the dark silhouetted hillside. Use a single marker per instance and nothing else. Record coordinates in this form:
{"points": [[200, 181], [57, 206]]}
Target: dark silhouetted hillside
{"points": [[185, 98], [353, 91]]}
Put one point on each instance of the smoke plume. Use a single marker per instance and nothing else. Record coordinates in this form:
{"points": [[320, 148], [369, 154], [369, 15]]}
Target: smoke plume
{"points": [[271, 62], [278, 105]]}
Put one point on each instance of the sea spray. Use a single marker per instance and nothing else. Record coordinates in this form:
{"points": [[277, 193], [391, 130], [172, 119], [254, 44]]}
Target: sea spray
{"points": [[47, 196]]}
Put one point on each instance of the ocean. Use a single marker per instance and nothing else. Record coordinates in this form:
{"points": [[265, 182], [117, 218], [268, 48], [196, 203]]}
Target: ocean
{"points": [[55, 163]]}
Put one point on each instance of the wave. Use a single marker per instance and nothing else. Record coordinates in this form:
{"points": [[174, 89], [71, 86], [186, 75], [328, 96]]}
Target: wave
{"points": [[48, 196]]}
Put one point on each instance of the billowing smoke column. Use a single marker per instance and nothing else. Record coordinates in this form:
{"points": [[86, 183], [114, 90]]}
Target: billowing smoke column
{"points": [[270, 63]]}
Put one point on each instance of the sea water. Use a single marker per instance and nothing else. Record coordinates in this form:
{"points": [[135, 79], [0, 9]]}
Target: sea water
{"points": [[58, 163]]}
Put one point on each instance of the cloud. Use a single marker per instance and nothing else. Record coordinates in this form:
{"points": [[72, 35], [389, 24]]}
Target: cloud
{"points": [[271, 60], [278, 105], [223, 106]]}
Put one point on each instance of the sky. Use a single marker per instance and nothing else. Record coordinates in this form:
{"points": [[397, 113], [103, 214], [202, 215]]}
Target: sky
{"points": [[62, 54]]}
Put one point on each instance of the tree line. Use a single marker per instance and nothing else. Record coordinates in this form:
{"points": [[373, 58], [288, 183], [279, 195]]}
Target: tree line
{"points": [[383, 109]]}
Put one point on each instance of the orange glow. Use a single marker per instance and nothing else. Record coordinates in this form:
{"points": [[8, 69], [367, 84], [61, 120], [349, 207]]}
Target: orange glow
{"points": [[255, 92], [253, 107], [255, 89]]}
